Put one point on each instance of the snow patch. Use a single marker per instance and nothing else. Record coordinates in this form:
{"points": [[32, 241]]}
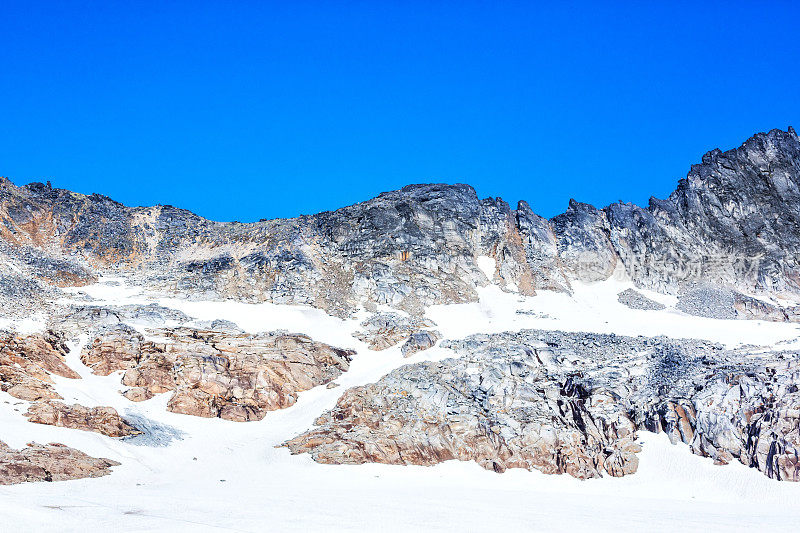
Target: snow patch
{"points": [[594, 308], [487, 265], [35, 323]]}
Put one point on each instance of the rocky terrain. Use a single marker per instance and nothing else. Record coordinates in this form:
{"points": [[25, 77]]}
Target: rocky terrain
{"points": [[730, 223], [103, 420], [107, 325], [214, 374], [570, 403], [51, 462], [636, 300], [27, 362], [384, 330]]}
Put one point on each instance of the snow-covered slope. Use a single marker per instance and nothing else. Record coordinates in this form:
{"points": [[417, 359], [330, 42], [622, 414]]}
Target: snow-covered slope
{"points": [[223, 475]]}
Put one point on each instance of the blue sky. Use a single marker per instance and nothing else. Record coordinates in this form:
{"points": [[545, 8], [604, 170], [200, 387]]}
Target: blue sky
{"points": [[247, 110]]}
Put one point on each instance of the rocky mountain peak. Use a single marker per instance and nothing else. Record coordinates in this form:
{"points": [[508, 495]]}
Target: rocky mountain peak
{"points": [[724, 244], [736, 210], [438, 189]]}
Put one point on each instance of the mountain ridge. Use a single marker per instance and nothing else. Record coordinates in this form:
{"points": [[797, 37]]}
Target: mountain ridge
{"points": [[705, 158], [418, 245], [566, 338]]}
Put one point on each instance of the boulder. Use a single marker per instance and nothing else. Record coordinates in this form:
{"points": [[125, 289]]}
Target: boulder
{"points": [[50, 462], [103, 420]]}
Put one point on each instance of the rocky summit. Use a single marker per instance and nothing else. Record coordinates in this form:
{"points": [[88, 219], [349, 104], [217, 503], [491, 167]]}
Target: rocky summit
{"points": [[731, 222], [423, 326]]}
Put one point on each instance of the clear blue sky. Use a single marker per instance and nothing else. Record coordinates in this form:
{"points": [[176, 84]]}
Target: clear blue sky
{"points": [[247, 110]]}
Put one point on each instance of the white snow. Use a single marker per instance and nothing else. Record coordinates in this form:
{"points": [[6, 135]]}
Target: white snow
{"points": [[28, 325], [229, 476], [487, 265], [594, 308]]}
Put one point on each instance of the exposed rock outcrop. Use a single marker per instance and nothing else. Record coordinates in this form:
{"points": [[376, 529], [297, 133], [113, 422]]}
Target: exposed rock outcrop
{"points": [[750, 417], [26, 362], [407, 248], [726, 243], [103, 420], [51, 462], [419, 341], [501, 409], [118, 347], [216, 374], [384, 330], [732, 222], [570, 403], [77, 319]]}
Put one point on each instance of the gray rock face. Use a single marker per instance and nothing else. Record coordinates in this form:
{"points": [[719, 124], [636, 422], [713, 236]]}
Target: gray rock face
{"points": [[501, 410], [570, 403], [583, 240], [733, 222], [406, 248], [76, 319], [384, 330], [752, 308], [419, 341]]}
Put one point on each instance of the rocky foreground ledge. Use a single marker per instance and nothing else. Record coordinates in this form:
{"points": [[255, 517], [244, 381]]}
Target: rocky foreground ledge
{"points": [[570, 403], [51, 462]]}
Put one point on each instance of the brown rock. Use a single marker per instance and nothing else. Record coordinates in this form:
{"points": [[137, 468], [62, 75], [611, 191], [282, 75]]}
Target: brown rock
{"points": [[678, 421], [154, 373], [51, 462], [230, 375], [36, 354], [26, 363], [21, 385], [137, 394], [118, 348], [103, 420]]}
